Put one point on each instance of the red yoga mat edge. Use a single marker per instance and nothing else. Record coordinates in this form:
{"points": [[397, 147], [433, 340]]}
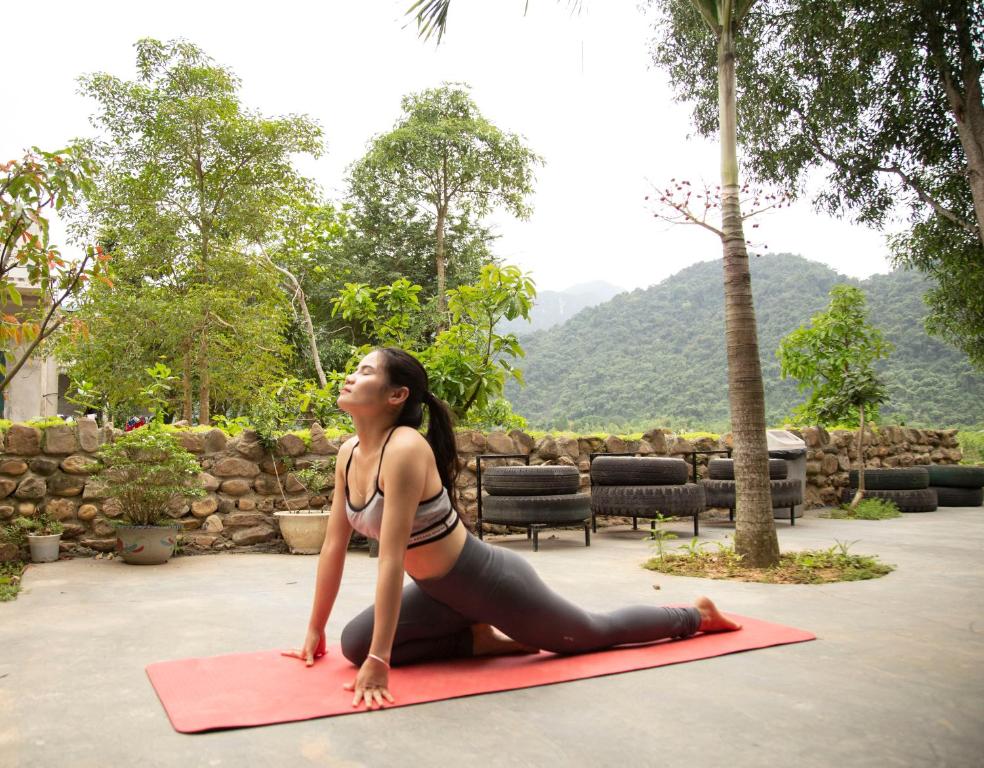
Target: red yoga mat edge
{"points": [[263, 687]]}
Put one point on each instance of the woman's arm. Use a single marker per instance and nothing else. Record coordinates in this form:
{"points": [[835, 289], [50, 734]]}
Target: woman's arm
{"points": [[331, 561], [404, 475]]}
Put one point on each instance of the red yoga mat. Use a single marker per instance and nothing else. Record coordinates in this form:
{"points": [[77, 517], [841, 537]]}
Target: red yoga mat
{"points": [[247, 689]]}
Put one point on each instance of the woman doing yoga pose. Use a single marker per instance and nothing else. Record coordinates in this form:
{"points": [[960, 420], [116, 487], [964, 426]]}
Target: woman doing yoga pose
{"points": [[467, 598]]}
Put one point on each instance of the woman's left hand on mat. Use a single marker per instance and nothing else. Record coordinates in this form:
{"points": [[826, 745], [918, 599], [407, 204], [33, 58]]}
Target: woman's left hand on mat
{"points": [[371, 685]]}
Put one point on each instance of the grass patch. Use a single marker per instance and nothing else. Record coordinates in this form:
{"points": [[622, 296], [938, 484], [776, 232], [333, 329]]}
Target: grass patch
{"points": [[868, 509], [10, 579], [821, 566], [50, 421]]}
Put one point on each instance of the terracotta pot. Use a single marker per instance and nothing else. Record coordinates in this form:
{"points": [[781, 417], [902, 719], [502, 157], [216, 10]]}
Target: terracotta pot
{"points": [[304, 530], [146, 544]]}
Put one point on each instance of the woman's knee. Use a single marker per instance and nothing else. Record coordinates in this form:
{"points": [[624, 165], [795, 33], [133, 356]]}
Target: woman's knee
{"points": [[356, 639]]}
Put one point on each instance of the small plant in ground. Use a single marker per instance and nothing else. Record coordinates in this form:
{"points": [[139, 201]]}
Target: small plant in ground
{"points": [[867, 509], [232, 426], [10, 578], [660, 535]]}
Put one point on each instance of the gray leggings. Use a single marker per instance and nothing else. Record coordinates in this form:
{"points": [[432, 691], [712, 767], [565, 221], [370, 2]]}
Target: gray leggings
{"points": [[491, 585]]}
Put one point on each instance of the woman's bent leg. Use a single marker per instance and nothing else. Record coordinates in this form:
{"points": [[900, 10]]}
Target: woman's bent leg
{"points": [[499, 587], [427, 629]]}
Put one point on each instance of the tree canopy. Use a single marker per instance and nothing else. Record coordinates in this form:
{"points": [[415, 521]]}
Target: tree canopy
{"points": [[882, 97], [442, 164], [191, 182]]}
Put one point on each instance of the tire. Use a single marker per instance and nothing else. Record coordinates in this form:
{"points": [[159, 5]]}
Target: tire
{"points": [[531, 481], [724, 469], [785, 493], [524, 510], [638, 471], [892, 479], [911, 500], [719, 493], [956, 476], [948, 496], [648, 500]]}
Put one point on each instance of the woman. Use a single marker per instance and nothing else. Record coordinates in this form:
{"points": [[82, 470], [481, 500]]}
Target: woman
{"points": [[396, 486]]}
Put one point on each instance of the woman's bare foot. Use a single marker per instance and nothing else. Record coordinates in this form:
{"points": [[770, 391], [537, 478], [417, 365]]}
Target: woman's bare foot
{"points": [[711, 619], [488, 641]]}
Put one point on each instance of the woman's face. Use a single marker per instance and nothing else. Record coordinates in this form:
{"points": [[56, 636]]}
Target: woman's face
{"points": [[367, 389]]}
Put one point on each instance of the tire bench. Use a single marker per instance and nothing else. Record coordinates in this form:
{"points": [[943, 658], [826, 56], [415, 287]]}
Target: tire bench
{"points": [[534, 497], [719, 487], [633, 486]]}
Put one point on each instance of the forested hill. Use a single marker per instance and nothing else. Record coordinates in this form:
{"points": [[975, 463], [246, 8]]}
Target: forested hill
{"points": [[657, 356]]}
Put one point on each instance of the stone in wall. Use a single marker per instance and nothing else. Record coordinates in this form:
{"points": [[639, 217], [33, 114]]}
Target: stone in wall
{"points": [[23, 440], [42, 465], [60, 439], [13, 467]]}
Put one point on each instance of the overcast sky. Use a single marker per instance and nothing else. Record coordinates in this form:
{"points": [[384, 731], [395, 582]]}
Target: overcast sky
{"points": [[580, 89]]}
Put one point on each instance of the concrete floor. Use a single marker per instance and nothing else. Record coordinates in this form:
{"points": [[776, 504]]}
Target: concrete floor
{"points": [[895, 678]]}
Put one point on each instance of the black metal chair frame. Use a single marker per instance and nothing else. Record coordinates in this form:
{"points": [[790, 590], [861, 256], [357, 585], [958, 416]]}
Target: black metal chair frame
{"points": [[532, 529]]}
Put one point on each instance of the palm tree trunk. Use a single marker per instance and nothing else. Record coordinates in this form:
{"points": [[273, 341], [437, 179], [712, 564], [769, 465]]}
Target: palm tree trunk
{"points": [[755, 529]]}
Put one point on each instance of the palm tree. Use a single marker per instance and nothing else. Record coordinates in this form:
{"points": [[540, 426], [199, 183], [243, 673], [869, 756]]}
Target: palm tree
{"points": [[755, 531]]}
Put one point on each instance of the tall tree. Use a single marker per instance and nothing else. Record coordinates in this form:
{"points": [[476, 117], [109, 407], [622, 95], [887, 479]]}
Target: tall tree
{"points": [[884, 98], [834, 358], [721, 22], [191, 180], [447, 161]]}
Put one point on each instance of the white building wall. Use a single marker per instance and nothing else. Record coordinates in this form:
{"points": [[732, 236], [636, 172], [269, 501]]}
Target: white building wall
{"points": [[33, 392]]}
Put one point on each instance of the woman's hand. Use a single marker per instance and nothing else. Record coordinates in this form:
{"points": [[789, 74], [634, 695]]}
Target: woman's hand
{"points": [[314, 647], [371, 685]]}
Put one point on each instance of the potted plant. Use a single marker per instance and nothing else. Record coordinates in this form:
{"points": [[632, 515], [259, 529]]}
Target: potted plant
{"points": [[143, 470], [43, 536], [304, 529]]}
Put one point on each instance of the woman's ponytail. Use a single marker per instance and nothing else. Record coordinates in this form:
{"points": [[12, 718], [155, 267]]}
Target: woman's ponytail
{"points": [[440, 435], [404, 370]]}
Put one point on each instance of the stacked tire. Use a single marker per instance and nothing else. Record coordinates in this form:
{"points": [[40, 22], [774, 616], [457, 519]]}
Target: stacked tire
{"points": [[719, 487], [907, 487], [535, 497], [957, 485], [644, 486]]}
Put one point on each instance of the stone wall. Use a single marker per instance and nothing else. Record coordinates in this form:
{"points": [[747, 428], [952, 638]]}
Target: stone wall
{"points": [[47, 468]]}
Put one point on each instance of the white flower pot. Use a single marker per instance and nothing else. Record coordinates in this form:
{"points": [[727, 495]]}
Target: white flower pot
{"points": [[304, 530], [44, 549]]}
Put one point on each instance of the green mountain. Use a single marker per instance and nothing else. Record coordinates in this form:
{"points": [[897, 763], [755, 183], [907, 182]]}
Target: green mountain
{"points": [[656, 357]]}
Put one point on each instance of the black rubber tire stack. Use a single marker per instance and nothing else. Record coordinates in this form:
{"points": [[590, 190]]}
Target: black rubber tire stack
{"points": [[534, 498], [719, 487], [957, 485], [907, 487], [644, 486]]}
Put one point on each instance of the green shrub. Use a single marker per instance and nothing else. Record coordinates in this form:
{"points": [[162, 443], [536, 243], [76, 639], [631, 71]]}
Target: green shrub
{"points": [[144, 469]]}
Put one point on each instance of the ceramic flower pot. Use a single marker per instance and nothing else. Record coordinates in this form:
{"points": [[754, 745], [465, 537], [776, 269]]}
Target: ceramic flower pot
{"points": [[146, 544], [303, 530], [44, 549]]}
